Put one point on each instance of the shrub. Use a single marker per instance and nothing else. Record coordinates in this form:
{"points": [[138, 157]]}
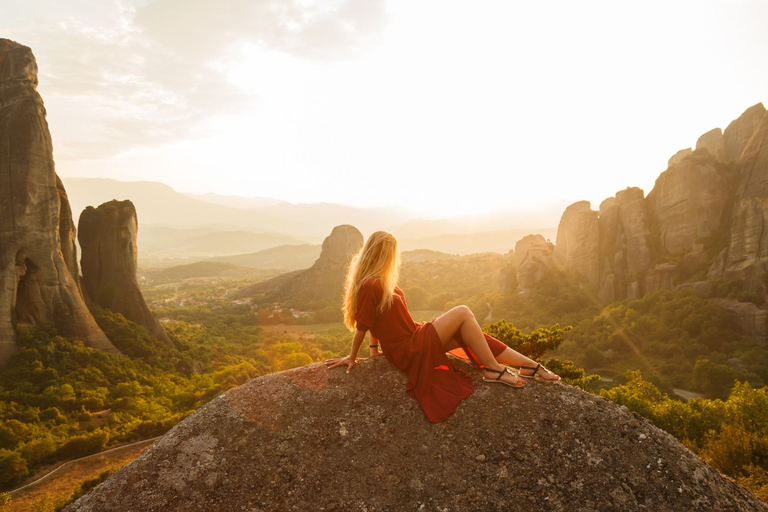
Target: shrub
{"points": [[12, 468]]}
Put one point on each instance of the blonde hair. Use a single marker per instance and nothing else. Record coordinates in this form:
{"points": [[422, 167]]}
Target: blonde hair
{"points": [[378, 258]]}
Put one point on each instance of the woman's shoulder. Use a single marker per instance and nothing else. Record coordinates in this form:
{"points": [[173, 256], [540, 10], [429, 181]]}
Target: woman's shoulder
{"points": [[371, 282], [371, 285]]}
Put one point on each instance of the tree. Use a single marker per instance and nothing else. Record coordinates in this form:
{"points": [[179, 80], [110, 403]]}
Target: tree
{"points": [[12, 467], [533, 345]]}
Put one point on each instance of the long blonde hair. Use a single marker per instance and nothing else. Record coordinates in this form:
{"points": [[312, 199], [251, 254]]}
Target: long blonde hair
{"points": [[378, 258]]}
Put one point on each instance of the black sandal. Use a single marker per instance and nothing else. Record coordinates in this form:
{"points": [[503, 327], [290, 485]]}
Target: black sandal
{"points": [[501, 374], [535, 375]]}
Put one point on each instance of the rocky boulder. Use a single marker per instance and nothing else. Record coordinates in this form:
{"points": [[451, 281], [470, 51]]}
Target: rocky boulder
{"points": [[318, 439], [319, 284], [38, 257], [577, 245], [107, 237]]}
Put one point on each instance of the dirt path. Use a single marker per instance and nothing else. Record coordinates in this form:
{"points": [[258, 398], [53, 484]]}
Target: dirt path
{"points": [[62, 480]]}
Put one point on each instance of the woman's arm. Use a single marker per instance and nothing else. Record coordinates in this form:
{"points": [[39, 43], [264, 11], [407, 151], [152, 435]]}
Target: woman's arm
{"points": [[351, 359], [375, 347]]}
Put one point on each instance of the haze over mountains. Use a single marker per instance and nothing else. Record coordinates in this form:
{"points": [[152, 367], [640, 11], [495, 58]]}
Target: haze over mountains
{"points": [[178, 228]]}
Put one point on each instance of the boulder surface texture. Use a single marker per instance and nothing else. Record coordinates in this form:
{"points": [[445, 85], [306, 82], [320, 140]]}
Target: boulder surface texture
{"points": [[319, 439], [107, 236], [38, 257]]}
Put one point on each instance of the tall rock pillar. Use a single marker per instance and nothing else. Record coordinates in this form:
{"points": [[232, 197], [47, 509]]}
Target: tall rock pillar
{"points": [[38, 257], [107, 236]]}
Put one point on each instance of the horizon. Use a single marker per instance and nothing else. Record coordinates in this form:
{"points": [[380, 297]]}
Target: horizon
{"points": [[531, 106]]}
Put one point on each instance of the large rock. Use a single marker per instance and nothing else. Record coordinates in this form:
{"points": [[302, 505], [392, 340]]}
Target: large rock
{"points": [[107, 236], [679, 156], [318, 439], [625, 242], [523, 245], [688, 202], [753, 178], [38, 256], [746, 256], [712, 142], [751, 319], [318, 286], [738, 133], [577, 244]]}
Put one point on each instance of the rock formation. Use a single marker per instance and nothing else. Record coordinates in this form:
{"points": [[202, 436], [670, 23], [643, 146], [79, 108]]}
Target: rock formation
{"points": [[107, 236], [679, 156], [318, 439], [624, 242], [712, 199], [522, 246], [738, 133], [577, 245], [712, 142], [688, 202], [38, 257], [318, 285]]}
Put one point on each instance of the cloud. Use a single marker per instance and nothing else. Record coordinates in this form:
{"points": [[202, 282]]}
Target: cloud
{"points": [[132, 74]]}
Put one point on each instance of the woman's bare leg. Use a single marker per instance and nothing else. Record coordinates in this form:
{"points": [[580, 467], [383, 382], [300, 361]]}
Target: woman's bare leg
{"points": [[515, 358], [509, 356], [461, 319]]}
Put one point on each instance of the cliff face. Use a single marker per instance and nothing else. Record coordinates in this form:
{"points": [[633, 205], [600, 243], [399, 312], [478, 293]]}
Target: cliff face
{"points": [[712, 197], [38, 257], [577, 242], [688, 202], [318, 284], [107, 236], [314, 439]]}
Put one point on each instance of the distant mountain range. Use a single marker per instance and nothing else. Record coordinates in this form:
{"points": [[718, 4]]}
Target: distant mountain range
{"points": [[176, 228]]}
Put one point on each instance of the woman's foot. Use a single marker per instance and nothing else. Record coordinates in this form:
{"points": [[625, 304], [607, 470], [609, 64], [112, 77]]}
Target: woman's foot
{"points": [[503, 376], [539, 372]]}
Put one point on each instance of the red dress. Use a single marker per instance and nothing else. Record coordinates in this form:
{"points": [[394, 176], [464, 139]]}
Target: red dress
{"points": [[416, 349]]}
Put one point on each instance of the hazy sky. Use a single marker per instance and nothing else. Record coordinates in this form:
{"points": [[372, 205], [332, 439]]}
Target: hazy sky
{"points": [[445, 107]]}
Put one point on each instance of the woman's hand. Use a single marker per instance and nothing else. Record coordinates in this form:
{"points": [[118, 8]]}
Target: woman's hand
{"points": [[333, 363]]}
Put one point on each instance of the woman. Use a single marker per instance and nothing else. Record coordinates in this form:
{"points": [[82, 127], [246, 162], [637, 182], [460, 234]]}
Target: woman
{"points": [[373, 302]]}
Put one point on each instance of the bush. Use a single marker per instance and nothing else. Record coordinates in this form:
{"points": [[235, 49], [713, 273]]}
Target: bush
{"points": [[533, 345], [80, 446], [12, 468]]}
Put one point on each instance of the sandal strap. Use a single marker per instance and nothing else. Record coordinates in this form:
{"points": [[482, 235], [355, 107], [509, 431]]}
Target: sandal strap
{"points": [[535, 370], [500, 372]]}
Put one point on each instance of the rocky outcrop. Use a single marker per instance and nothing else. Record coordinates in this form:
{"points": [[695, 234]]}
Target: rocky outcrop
{"points": [[688, 202], [522, 246], [738, 133], [107, 236], [713, 143], [38, 256], [577, 245], [537, 260], [751, 319], [319, 285], [679, 156], [753, 177], [713, 197], [318, 439], [624, 242]]}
